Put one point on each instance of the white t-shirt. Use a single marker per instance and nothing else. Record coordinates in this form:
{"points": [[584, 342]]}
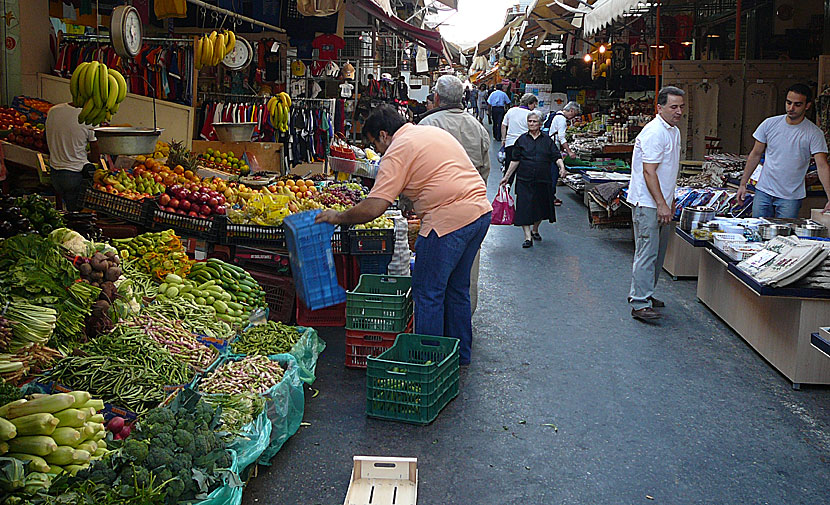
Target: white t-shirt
{"points": [[67, 138], [516, 122], [346, 90], [659, 143], [558, 128], [787, 155]]}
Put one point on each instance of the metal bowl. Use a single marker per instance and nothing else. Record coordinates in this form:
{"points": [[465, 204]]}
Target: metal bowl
{"points": [[811, 230], [234, 132], [127, 140], [770, 231], [691, 216]]}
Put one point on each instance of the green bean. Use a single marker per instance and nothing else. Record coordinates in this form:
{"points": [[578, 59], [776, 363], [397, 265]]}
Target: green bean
{"points": [[267, 339]]}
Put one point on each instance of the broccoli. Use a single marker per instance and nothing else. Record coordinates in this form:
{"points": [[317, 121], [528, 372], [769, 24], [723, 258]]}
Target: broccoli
{"points": [[158, 457], [157, 422], [204, 413], [174, 490], [159, 416], [186, 476], [135, 451], [101, 474], [162, 475], [183, 438], [142, 476], [182, 461], [224, 461], [164, 440], [186, 424]]}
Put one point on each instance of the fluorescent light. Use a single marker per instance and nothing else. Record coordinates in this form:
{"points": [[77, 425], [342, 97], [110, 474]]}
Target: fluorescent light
{"points": [[687, 43], [713, 36], [636, 53]]}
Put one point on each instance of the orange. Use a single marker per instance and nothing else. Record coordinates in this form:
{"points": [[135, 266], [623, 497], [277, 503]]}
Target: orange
{"points": [[149, 163], [178, 170], [280, 183], [188, 174]]}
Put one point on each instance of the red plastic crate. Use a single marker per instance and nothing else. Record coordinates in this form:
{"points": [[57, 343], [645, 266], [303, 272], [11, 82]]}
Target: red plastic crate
{"points": [[330, 316], [348, 271], [361, 344], [279, 295]]}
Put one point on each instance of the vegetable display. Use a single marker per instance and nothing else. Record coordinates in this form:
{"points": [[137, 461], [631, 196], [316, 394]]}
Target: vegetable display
{"points": [[238, 409], [177, 340], [158, 254], [251, 373], [270, 338], [40, 212]]}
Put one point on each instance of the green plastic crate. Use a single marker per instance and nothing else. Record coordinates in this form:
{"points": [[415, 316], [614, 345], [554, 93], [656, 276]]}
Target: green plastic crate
{"points": [[380, 303], [401, 386]]}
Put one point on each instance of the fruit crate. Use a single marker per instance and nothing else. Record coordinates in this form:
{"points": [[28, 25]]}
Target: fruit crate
{"points": [[360, 344], [372, 241], [272, 237], [376, 264], [133, 211], [413, 380], [329, 316], [196, 227], [279, 295], [380, 303], [312, 261]]}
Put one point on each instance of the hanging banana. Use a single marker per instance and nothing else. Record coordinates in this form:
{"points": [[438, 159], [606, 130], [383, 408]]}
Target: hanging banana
{"points": [[97, 91]]}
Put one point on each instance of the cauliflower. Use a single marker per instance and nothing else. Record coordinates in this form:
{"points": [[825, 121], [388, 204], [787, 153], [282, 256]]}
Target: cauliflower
{"points": [[72, 241]]}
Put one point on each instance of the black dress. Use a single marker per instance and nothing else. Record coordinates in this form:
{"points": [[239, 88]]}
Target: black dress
{"points": [[534, 198]]}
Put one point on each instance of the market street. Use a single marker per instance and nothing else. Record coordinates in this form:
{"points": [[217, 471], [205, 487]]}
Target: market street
{"points": [[570, 401]]}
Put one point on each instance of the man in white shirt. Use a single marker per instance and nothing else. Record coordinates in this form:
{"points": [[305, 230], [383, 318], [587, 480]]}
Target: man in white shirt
{"points": [[558, 129], [514, 124], [786, 142], [67, 140], [654, 168]]}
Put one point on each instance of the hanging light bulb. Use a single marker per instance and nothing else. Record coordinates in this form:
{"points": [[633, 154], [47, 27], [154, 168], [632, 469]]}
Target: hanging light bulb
{"points": [[587, 58], [602, 49]]}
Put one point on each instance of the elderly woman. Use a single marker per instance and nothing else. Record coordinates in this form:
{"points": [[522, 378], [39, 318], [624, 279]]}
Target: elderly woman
{"points": [[534, 155]]}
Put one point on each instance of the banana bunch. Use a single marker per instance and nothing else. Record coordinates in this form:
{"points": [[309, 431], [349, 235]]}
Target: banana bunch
{"points": [[209, 50], [98, 89], [279, 109]]}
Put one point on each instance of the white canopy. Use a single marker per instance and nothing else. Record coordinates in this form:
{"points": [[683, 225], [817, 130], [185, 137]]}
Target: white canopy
{"points": [[603, 13]]}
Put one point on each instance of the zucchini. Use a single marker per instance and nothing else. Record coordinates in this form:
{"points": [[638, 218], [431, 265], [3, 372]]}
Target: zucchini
{"points": [[163, 287], [48, 404], [173, 279], [172, 292], [201, 301], [35, 424], [7, 429], [36, 463], [188, 296], [206, 284], [38, 445], [210, 300], [220, 306]]}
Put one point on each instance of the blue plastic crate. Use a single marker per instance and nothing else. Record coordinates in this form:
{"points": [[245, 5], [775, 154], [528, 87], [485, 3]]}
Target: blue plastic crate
{"points": [[312, 260], [374, 264]]}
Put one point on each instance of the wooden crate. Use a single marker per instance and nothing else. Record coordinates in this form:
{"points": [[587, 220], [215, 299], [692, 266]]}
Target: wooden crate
{"points": [[384, 481], [268, 154]]}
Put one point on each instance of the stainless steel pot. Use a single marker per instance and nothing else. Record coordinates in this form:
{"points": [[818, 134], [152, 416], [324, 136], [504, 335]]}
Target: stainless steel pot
{"points": [[234, 132], [691, 216], [127, 140], [811, 230], [770, 231]]}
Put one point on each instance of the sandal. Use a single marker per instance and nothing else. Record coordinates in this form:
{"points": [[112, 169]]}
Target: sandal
{"points": [[557, 202], [535, 235], [527, 243]]}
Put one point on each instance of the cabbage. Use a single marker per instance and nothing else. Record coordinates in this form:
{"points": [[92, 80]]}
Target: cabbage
{"points": [[71, 240]]}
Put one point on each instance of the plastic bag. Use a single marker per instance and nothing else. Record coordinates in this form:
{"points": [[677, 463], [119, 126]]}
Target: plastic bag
{"points": [[504, 208], [230, 493], [285, 406], [252, 441], [306, 351]]}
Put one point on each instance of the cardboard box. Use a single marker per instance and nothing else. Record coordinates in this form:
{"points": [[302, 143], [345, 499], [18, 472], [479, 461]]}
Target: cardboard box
{"points": [[383, 481]]}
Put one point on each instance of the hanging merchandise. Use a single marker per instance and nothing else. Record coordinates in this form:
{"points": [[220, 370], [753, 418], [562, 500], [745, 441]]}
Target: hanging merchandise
{"points": [[328, 46], [99, 89], [211, 49], [319, 8], [229, 108], [310, 129], [279, 110], [170, 8]]}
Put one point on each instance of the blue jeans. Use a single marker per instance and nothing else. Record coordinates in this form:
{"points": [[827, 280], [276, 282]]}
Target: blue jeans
{"points": [[766, 205], [441, 283]]}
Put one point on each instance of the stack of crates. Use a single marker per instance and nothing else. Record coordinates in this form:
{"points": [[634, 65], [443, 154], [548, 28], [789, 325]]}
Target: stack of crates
{"points": [[377, 310]]}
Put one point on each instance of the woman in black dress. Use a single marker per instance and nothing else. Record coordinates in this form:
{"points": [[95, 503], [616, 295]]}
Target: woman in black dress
{"points": [[534, 156]]}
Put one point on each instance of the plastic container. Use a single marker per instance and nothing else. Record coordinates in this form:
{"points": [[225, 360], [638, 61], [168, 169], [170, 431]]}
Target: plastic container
{"points": [[380, 303], [360, 344], [279, 295], [312, 261], [413, 380], [377, 264], [133, 211], [329, 316], [372, 241], [196, 227]]}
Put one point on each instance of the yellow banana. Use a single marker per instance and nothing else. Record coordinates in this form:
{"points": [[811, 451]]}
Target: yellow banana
{"points": [[102, 114], [287, 99], [270, 105], [92, 115], [86, 110], [103, 82], [90, 77], [122, 85], [219, 48], [74, 80], [96, 92], [230, 41], [112, 91], [197, 52], [108, 117], [207, 51]]}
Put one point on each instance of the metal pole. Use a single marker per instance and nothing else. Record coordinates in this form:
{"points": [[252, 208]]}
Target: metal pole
{"points": [[658, 56], [737, 30], [226, 12]]}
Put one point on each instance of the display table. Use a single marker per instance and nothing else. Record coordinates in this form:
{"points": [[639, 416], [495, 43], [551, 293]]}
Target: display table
{"points": [[683, 254], [777, 323]]}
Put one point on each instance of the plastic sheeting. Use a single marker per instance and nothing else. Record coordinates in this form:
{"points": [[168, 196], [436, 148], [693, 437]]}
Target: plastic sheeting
{"points": [[604, 13]]}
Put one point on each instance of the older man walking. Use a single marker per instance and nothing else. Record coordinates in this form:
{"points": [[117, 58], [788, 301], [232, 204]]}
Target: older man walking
{"points": [[449, 115], [654, 168]]}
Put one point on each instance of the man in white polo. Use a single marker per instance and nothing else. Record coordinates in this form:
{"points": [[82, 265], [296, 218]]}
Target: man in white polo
{"points": [[654, 168]]}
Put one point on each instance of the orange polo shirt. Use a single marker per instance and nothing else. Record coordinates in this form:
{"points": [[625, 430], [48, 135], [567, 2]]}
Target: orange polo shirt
{"points": [[428, 166]]}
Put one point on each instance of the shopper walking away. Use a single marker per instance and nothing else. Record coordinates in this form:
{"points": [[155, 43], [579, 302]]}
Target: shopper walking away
{"points": [[498, 101], [473, 100], [654, 168], [482, 103], [427, 165], [67, 140], [533, 156], [558, 128], [786, 142], [450, 117], [514, 124]]}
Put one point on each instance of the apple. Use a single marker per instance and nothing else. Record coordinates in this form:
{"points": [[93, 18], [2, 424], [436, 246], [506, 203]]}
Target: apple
{"points": [[184, 205], [193, 213], [220, 199], [174, 203], [170, 210], [206, 210], [213, 202], [220, 210], [181, 212], [164, 200]]}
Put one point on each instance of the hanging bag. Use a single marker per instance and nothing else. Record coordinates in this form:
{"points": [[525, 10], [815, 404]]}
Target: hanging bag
{"points": [[504, 208], [340, 148]]}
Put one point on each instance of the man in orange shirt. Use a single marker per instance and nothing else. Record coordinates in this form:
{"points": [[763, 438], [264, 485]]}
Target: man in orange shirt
{"points": [[427, 165]]}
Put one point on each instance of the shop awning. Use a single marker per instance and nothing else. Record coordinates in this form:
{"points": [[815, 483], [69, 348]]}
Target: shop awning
{"points": [[450, 3], [427, 38], [498, 37], [550, 17], [603, 13]]}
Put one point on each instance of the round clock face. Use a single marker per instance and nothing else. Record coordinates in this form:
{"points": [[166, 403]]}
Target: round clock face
{"points": [[241, 55], [132, 32]]}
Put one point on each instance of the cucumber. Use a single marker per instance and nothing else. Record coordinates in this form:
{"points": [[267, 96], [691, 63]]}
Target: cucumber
{"points": [[173, 279], [201, 301], [163, 287], [220, 307], [188, 296], [226, 318], [197, 293], [206, 284], [210, 300], [245, 288], [172, 292], [225, 297], [185, 288], [233, 305]]}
